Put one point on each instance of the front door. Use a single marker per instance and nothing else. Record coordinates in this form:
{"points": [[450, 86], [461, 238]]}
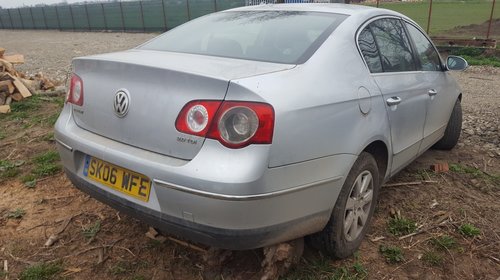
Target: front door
{"points": [[441, 93]]}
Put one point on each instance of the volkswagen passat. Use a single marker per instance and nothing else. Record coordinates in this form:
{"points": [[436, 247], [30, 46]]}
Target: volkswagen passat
{"points": [[258, 125]]}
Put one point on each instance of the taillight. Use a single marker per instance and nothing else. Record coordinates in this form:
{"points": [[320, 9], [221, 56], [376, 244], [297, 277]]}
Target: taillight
{"points": [[196, 116], [75, 93], [235, 124]]}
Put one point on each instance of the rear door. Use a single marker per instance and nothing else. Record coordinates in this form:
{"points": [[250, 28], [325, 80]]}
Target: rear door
{"points": [[387, 51]]}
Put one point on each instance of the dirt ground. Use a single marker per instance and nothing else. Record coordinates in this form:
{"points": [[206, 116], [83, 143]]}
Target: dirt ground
{"points": [[476, 30], [454, 214]]}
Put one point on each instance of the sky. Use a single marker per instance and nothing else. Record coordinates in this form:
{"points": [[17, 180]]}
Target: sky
{"points": [[20, 3]]}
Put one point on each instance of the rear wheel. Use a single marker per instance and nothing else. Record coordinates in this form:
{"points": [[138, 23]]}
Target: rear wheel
{"points": [[353, 210], [453, 129]]}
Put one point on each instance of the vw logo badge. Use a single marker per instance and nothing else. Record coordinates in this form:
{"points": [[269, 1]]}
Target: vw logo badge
{"points": [[121, 103]]}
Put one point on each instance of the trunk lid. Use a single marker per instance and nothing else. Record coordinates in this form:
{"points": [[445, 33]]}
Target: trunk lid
{"points": [[158, 85]]}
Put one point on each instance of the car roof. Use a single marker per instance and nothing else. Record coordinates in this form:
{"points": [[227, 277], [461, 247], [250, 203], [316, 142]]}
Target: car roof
{"points": [[347, 9]]}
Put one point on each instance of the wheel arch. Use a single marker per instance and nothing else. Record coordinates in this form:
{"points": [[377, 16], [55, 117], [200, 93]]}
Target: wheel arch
{"points": [[379, 150]]}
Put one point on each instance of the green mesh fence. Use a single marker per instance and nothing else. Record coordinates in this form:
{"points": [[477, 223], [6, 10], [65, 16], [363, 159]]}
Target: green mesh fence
{"points": [[129, 16]]}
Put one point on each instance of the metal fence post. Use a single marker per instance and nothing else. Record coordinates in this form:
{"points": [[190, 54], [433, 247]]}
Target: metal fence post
{"points": [[123, 18], [58, 19], [429, 18], [32, 19], [72, 18], [142, 17], [188, 11], [87, 13], [215, 5], [491, 19], [20, 17], [1, 21], [164, 15], [378, 3], [44, 18], [104, 16], [10, 18]]}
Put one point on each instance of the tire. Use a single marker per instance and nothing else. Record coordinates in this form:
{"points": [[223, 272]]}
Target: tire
{"points": [[453, 129], [334, 239]]}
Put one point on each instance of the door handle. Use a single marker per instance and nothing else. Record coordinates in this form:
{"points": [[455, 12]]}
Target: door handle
{"points": [[432, 92], [393, 101]]}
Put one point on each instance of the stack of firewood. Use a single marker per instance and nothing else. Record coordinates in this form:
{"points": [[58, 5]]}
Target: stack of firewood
{"points": [[14, 85]]}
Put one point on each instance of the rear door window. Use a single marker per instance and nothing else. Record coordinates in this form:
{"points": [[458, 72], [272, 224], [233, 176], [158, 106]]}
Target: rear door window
{"points": [[394, 46]]}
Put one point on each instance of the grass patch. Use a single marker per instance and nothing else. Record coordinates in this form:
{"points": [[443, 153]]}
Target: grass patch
{"points": [[16, 214], [47, 157], [392, 254], [432, 258], [9, 169], [481, 60], [477, 173], [91, 231], [43, 271], [445, 15], [469, 230], [322, 268], [51, 120], [46, 164], [458, 168], [444, 242], [29, 181], [49, 137], [401, 226], [120, 268], [28, 104]]}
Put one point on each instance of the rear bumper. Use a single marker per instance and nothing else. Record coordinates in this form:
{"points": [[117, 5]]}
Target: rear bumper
{"points": [[224, 198], [217, 237]]}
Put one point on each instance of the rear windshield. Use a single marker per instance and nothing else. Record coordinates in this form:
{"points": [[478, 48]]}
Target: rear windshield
{"points": [[274, 36]]}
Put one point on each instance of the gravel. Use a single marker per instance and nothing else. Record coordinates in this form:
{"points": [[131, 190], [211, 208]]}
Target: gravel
{"points": [[51, 52], [481, 107]]}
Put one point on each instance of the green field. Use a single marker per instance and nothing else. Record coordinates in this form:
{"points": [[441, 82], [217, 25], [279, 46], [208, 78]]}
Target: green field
{"points": [[448, 14]]}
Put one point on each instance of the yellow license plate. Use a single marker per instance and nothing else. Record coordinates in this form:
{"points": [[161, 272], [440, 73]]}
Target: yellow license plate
{"points": [[123, 180]]}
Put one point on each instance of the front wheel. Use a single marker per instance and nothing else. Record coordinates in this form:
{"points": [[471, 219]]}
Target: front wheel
{"points": [[353, 210], [453, 129]]}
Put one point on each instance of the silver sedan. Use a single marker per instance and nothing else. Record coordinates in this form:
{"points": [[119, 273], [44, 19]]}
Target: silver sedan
{"points": [[258, 125]]}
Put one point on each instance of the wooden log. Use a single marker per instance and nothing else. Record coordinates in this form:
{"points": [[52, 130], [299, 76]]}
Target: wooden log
{"points": [[4, 109], [2, 51], [3, 97], [47, 84], [9, 85], [21, 87], [57, 91], [8, 66], [17, 96], [8, 100], [32, 85], [4, 76], [15, 58], [4, 88]]}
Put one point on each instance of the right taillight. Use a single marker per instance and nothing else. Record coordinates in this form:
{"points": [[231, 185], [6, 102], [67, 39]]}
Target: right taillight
{"points": [[235, 124], [75, 93]]}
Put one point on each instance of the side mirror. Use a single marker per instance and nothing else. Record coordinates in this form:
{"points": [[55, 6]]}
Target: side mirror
{"points": [[456, 63]]}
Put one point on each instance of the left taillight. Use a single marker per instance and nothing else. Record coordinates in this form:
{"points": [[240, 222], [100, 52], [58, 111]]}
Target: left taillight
{"points": [[75, 93]]}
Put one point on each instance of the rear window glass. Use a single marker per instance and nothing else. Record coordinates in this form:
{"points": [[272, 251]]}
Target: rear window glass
{"points": [[274, 36]]}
